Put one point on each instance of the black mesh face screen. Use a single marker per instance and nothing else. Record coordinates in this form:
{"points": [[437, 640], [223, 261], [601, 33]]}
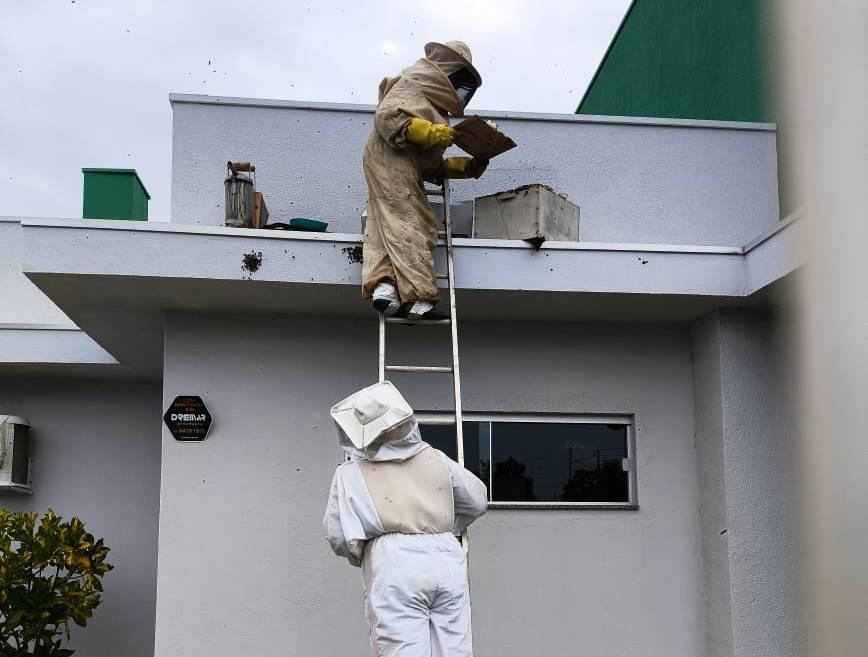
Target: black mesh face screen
{"points": [[465, 85], [462, 78]]}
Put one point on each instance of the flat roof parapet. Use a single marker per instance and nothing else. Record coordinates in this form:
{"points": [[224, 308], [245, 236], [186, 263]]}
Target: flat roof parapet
{"points": [[636, 180]]}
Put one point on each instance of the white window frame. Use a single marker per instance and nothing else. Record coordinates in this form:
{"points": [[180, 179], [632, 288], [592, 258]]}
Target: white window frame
{"points": [[629, 463]]}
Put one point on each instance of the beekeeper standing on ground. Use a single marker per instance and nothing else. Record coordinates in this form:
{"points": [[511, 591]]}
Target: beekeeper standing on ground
{"points": [[410, 133], [394, 509]]}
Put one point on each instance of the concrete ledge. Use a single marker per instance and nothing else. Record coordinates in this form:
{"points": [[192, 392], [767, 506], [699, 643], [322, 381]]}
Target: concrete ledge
{"points": [[118, 280], [49, 344], [229, 254], [774, 255]]}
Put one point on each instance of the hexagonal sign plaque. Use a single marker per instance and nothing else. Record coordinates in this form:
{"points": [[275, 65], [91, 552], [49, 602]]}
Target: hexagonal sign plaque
{"points": [[188, 419]]}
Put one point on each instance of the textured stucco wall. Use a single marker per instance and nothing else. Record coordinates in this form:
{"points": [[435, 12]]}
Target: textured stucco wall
{"points": [[705, 336], [746, 455], [96, 455], [243, 565], [760, 452], [634, 183]]}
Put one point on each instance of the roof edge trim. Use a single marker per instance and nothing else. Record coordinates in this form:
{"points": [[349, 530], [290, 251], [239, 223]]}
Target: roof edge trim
{"points": [[356, 238], [271, 103]]}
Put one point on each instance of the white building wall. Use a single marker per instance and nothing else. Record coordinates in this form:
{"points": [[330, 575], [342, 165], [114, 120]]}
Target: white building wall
{"points": [[746, 453], [760, 464], [244, 568], [714, 525], [96, 452], [659, 181], [21, 302]]}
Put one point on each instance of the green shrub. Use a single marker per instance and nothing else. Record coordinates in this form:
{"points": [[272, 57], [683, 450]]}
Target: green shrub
{"points": [[50, 574]]}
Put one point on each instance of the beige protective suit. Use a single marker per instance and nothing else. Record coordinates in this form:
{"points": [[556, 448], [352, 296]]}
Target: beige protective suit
{"points": [[401, 229]]}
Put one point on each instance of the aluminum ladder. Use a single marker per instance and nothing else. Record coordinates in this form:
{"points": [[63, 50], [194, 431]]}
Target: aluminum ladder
{"points": [[452, 322]]}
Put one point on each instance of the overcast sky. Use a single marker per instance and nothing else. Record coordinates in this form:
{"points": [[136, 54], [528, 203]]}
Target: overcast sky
{"points": [[85, 83]]}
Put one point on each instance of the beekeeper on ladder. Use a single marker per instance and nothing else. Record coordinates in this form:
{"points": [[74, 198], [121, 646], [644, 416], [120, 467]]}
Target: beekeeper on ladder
{"points": [[410, 132], [394, 509]]}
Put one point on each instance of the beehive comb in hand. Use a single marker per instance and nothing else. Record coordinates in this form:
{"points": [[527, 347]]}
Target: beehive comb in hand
{"points": [[480, 139]]}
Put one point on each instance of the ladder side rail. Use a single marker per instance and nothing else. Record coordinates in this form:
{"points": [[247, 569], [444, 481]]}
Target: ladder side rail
{"points": [[456, 373], [453, 314], [381, 360]]}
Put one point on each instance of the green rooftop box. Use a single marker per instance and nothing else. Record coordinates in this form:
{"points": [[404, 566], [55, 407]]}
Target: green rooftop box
{"points": [[114, 194]]}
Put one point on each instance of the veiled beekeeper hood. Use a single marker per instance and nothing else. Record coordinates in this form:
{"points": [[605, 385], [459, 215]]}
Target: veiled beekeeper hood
{"points": [[377, 424], [455, 60], [432, 72], [452, 56]]}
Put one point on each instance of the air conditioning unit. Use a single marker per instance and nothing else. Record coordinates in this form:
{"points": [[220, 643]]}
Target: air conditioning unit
{"points": [[15, 462]]}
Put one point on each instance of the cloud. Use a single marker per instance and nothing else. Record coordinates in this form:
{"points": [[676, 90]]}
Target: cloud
{"points": [[87, 83]]}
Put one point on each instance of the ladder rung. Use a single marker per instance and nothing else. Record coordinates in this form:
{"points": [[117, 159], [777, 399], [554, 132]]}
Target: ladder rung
{"points": [[434, 192], [441, 233], [419, 368], [442, 277], [444, 420], [422, 322]]}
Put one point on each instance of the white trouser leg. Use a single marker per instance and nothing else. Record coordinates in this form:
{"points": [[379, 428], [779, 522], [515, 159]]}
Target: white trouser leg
{"points": [[450, 611], [417, 599]]}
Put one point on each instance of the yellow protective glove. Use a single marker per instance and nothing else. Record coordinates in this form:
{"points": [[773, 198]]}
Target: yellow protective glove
{"points": [[464, 167], [427, 134]]}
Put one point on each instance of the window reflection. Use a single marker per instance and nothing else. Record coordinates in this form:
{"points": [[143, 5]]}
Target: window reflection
{"points": [[548, 462], [542, 461]]}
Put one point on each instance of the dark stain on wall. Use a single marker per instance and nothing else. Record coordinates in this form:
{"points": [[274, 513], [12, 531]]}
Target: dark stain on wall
{"points": [[353, 253]]}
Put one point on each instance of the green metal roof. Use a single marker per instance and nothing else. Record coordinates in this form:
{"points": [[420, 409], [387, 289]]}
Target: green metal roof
{"points": [[686, 59]]}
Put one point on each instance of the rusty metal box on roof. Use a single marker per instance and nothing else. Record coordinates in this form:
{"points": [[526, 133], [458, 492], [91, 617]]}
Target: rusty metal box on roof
{"points": [[534, 213]]}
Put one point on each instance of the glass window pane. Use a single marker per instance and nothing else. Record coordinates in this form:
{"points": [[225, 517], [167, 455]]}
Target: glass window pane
{"points": [[441, 437], [547, 462], [476, 457]]}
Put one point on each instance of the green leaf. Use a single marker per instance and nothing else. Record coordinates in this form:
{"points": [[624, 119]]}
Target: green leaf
{"points": [[50, 575]]}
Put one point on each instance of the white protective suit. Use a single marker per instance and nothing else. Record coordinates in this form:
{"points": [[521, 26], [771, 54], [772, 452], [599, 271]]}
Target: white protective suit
{"points": [[395, 511]]}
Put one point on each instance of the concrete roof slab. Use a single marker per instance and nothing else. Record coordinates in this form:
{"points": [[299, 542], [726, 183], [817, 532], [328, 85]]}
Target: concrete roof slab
{"points": [[30, 347], [117, 280]]}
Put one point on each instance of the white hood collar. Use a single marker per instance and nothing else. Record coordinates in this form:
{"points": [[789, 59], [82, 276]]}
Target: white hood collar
{"points": [[396, 449]]}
